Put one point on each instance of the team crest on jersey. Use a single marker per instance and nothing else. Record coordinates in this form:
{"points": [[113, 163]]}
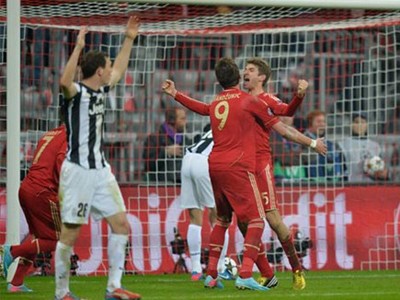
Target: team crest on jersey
{"points": [[96, 107]]}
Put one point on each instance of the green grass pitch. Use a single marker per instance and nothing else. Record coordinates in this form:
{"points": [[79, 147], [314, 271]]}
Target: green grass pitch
{"points": [[320, 285]]}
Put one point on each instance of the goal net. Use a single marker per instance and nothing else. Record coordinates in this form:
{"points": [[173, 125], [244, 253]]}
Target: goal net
{"points": [[350, 59]]}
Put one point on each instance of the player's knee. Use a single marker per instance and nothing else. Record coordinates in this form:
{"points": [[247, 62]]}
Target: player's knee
{"points": [[69, 233], [196, 216], [119, 224], [256, 223], [274, 221], [223, 221]]}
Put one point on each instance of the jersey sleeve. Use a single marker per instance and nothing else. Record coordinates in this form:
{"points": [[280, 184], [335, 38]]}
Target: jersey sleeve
{"points": [[194, 105], [280, 108]]}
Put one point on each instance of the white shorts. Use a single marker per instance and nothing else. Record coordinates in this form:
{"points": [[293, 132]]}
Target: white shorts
{"points": [[85, 192], [196, 189]]}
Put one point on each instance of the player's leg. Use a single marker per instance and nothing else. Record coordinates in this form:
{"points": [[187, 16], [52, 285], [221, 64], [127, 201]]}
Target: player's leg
{"points": [[77, 186], [267, 273], [222, 273], [275, 220], [69, 234], [194, 242], [108, 203], [267, 187], [216, 245], [190, 200], [16, 285], [217, 236]]}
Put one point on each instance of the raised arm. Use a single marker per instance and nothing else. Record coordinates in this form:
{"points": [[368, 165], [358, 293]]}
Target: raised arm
{"points": [[194, 105], [67, 78], [282, 109], [122, 60], [296, 136]]}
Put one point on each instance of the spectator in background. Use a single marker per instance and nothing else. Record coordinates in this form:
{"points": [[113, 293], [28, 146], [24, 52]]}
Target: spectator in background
{"points": [[163, 151], [394, 126], [329, 167], [357, 148], [286, 155]]}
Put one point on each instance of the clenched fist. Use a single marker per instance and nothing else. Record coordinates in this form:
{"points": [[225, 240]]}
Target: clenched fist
{"points": [[302, 86]]}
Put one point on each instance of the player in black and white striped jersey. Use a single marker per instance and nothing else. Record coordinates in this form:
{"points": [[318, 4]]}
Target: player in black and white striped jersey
{"points": [[87, 185], [84, 116], [196, 195]]}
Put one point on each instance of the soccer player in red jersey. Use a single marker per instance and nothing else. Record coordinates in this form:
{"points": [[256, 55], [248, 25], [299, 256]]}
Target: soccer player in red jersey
{"points": [[38, 196], [234, 115], [256, 75]]}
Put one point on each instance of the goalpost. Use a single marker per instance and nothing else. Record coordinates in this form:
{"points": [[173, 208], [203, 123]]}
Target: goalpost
{"points": [[348, 55]]}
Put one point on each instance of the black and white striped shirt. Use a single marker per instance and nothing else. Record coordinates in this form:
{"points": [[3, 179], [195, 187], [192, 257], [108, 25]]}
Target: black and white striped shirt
{"points": [[84, 117], [204, 146]]}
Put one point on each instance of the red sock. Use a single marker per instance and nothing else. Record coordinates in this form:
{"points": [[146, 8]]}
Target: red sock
{"points": [[30, 248], [47, 245], [263, 264], [22, 269], [252, 240], [216, 244], [291, 253]]}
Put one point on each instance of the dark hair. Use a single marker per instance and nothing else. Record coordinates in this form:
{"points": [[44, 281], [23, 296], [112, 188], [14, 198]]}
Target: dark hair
{"points": [[227, 72], [262, 66], [91, 61], [170, 115], [312, 115], [358, 115]]}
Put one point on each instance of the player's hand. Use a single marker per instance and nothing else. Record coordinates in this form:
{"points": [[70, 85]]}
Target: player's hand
{"points": [[168, 87], [80, 40], [381, 175], [132, 28], [302, 86], [321, 147], [174, 150]]}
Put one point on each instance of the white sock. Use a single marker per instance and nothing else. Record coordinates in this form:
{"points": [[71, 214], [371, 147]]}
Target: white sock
{"points": [[221, 261], [116, 260], [194, 244], [62, 266]]}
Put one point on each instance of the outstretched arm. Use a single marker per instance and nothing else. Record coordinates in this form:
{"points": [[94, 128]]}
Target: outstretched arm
{"points": [[296, 136], [122, 60], [194, 105], [66, 81], [282, 109]]}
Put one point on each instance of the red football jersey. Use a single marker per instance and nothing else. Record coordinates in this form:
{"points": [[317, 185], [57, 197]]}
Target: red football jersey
{"points": [[275, 107], [48, 158], [234, 116]]}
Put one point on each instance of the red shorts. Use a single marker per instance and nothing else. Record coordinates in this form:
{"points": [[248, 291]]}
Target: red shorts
{"points": [[42, 211], [236, 191], [266, 185]]}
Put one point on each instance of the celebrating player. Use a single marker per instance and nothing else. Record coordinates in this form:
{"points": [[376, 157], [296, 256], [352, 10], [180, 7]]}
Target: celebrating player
{"points": [[39, 202], [87, 185], [255, 77]]}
